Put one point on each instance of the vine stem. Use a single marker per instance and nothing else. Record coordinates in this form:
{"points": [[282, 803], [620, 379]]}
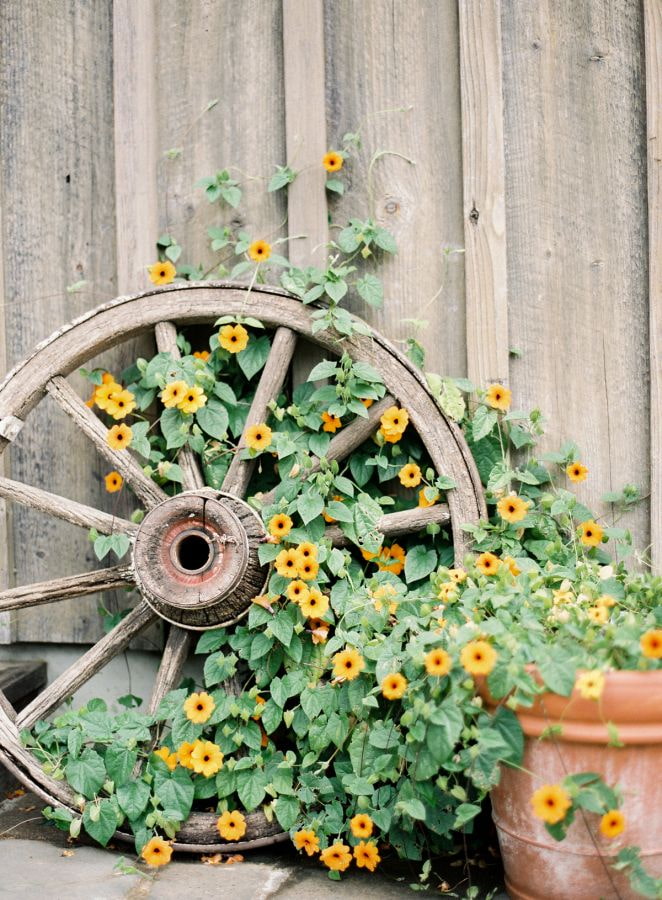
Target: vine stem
{"points": [[377, 156]]}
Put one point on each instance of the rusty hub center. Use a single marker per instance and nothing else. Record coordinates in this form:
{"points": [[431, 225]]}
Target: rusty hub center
{"points": [[195, 557]]}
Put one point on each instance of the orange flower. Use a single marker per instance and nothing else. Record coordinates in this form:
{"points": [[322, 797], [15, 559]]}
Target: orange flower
{"points": [[393, 424], [651, 644], [576, 472], [331, 423], [297, 591], [590, 533], [319, 630], [258, 437], [336, 857], [114, 482], [410, 475], [120, 404], [259, 251], [308, 568], [394, 686], [170, 759], [315, 604], [231, 825], [184, 752], [173, 393], [280, 525], [512, 508], [348, 664], [361, 825], [306, 840], [194, 399], [199, 707], [478, 657], [233, 338], [206, 758], [287, 563], [326, 516], [498, 397], [612, 823], [201, 354], [162, 272], [367, 402], [550, 803], [119, 437], [366, 855], [333, 161], [488, 563], [512, 565], [423, 501], [438, 663], [156, 852]]}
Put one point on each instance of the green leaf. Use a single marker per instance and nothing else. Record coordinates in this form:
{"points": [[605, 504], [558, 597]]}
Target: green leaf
{"points": [[283, 176], [464, 813], [120, 762], [309, 506], [254, 356], [287, 811], [251, 787], [443, 734], [118, 543], [385, 240], [282, 628], [419, 563], [175, 428], [336, 290], [335, 185], [100, 821], [272, 716], [175, 792], [325, 369], [133, 798], [213, 419], [412, 807], [87, 773], [558, 668], [371, 290]]}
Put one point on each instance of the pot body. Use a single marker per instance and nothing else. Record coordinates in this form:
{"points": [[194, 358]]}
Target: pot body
{"points": [[538, 867]]}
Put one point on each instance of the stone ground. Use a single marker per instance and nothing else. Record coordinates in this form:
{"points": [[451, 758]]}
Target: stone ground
{"points": [[37, 861]]}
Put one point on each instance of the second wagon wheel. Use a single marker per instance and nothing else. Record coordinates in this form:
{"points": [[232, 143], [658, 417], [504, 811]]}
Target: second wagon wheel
{"points": [[194, 556]]}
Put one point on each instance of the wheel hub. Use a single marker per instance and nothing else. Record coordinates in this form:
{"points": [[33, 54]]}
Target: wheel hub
{"points": [[195, 558]]}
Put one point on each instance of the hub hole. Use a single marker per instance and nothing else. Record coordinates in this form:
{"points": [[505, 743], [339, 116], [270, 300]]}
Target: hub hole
{"points": [[193, 552]]}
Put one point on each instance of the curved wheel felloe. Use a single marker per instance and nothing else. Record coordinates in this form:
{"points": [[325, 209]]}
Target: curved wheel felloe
{"points": [[194, 556]]}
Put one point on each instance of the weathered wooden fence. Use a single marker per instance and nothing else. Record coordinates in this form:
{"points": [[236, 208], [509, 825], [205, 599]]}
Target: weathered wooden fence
{"points": [[520, 175]]}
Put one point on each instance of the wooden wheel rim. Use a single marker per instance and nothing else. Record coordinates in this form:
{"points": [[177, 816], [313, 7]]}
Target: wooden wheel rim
{"points": [[85, 337]]}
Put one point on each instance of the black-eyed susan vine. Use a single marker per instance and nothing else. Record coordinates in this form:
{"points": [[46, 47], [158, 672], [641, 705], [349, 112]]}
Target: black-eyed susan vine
{"points": [[356, 725]]}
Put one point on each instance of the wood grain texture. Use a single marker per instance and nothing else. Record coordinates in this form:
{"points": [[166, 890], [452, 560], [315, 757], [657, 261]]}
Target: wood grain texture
{"points": [[392, 71], [89, 663], [484, 181], [175, 654], [63, 588], [7, 620], [56, 180], [576, 216], [653, 36], [63, 508]]}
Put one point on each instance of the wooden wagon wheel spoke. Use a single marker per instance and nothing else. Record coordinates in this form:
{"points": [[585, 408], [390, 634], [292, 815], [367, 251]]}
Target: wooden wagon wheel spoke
{"points": [[166, 342], [175, 654], [69, 401], [66, 588], [408, 521], [88, 665], [62, 508], [271, 381]]}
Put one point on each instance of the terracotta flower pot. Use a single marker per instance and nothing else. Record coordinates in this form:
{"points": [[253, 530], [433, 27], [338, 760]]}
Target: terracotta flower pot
{"points": [[579, 867]]}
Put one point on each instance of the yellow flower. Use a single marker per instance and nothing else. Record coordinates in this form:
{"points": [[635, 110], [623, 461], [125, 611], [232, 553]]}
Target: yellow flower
{"points": [[457, 575], [119, 437], [385, 592], [651, 644], [325, 514], [599, 615], [199, 707], [605, 600], [361, 825], [576, 472], [366, 855], [590, 684], [348, 664], [590, 533], [498, 397], [315, 604], [394, 552], [259, 251], [104, 393], [233, 338], [156, 852], [488, 563], [170, 759], [448, 591], [367, 402], [231, 825], [206, 758], [512, 565], [612, 823], [332, 161], [193, 400], [287, 563], [258, 437], [512, 508], [184, 754], [162, 272], [331, 423], [394, 686], [280, 525], [307, 550], [114, 482], [173, 394], [478, 657], [438, 662], [410, 475], [336, 857], [306, 840], [201, 354], [120, 404], [423, 501], [308, 568], [319, 630], [550, 803], [297, 591], [393, 424]]}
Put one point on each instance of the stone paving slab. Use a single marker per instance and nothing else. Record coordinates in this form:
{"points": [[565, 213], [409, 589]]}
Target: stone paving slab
{"points": [[38, 863]]}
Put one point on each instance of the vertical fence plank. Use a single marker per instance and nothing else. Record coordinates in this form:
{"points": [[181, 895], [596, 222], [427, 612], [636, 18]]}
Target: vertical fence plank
{"points": [[653, 34], [393, 74], [8, 619], [484, 180], [576, 220], [57, 182]]}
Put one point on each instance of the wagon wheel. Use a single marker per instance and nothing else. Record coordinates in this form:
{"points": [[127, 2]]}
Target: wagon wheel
{"points": [[194, 556]]}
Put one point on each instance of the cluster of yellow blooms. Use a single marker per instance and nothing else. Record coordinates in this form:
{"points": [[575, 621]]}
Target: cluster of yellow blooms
{"points": [[393, 424], [178, 394], [338, 856], [551, 802]]}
